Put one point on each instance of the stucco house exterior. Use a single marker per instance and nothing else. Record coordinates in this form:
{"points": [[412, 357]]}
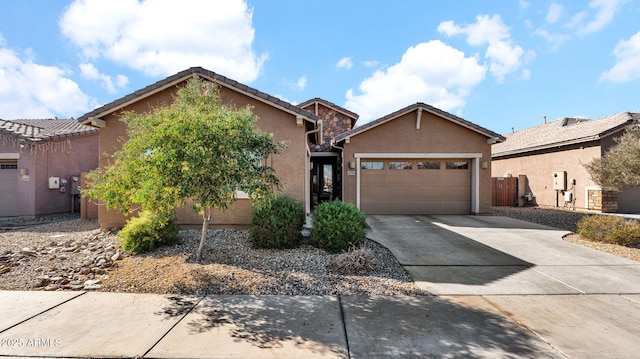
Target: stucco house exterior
{"points": [[297, 128], [40, 165], [418, 160], [327, 158], [549, 160]]}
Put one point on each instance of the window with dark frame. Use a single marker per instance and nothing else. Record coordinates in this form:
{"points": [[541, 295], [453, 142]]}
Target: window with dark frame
{"points": [[400, 165], [8, 166], [372, 165], [458, 165], [428, 165]]}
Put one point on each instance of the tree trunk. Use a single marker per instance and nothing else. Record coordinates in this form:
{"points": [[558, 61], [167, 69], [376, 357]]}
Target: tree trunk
{"points": [[206, 218]]}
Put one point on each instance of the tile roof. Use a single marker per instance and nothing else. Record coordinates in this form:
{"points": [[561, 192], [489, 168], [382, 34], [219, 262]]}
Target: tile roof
{"points": [[191, 72], [331, 105], [43, 130], [562, 132], [425, 107]]}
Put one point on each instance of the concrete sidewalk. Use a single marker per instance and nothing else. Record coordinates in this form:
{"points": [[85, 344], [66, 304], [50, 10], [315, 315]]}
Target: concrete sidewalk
{"points": [[73, 324]]}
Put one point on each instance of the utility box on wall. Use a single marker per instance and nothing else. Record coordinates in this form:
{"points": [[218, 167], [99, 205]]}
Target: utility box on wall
{"points": [[560, 180], [54, 182]]}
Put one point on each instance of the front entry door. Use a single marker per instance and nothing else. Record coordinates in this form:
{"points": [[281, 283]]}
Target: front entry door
{"points": [[323, 181]]}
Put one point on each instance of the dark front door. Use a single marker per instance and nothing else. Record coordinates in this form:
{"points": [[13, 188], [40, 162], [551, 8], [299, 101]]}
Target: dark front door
{"points": [[324, 181]]}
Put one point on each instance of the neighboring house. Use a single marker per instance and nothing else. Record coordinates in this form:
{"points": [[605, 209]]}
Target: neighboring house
{"points": [[297, 128], [37, 158], [418, 160], [550, 158], [327, 158]]}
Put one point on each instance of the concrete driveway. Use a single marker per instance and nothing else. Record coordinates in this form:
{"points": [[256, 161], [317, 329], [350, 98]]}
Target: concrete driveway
{"points": [[582, 302], [487, 255]]}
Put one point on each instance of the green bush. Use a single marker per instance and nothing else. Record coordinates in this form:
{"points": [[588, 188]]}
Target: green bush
{"points": [[148, 231], [277, 224], [338, 226], [610, 229]]}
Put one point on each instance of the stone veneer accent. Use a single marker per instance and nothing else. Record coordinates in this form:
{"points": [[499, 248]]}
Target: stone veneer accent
{"points": [[333, 124], [603, 201]]}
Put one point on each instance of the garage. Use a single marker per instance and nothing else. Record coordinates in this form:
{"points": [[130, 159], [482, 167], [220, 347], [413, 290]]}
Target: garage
{"points": [[8, 188], [415, 186]]}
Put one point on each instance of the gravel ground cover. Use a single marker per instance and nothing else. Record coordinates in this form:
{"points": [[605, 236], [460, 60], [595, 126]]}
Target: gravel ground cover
{"points": [[67, 253]]}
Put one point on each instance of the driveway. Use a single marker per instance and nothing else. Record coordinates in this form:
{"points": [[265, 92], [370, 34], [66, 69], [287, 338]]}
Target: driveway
{"points": [[487, 255], [583, 303]]}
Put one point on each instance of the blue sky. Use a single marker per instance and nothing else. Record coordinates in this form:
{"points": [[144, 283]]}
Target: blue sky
{"points": [[500, 64]]}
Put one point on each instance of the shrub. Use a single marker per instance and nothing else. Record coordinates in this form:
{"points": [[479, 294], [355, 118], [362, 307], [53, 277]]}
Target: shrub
{"points": [[355, 261], [148, 231], [610, 229], [337, 226], [277, 224]]}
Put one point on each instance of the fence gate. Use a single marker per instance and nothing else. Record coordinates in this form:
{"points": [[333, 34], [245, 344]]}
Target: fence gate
{"points": [[504, 191]]}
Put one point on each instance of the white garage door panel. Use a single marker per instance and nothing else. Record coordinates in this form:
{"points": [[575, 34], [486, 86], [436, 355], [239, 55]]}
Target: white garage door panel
{"points": [[8, 192], [415, 191]]}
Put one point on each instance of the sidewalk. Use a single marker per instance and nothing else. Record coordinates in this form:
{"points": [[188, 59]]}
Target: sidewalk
{"points": [[82, 324]]}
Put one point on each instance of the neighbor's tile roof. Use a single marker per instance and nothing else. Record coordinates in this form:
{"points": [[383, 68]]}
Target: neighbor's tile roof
{"points": [[195, 71], [423, 106], [44, 129], [562, 132]]}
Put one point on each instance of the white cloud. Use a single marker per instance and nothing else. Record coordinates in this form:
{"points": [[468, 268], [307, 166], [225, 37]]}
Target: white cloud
{"points": [[556, 40], [627, 67], [504, 57], [89, 71], [345, 63], [430, 72], [524, 4], [301, 84], [371, 63], [30, 90], [555, 13], [605, 11], [163, 37]]}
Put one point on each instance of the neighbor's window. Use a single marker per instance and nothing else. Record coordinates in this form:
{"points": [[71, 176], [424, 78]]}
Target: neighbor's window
{"points": [[461, 165], [428, 165], [368, 165], [403, 165], [8, 166]]}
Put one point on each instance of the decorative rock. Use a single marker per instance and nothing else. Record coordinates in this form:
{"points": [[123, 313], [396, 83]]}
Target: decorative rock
{"points": [[117, 256], [28, 251], [4, 270]]}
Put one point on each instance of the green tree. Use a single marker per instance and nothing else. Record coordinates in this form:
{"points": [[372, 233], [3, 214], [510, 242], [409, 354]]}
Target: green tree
{"points": [[196, 150], [620, 167]]}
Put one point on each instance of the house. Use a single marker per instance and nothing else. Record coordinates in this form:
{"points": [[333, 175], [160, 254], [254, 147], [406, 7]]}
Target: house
{"points": [[40, 165], [327, 158], [297, 128], [550, 158], [418, 160]]}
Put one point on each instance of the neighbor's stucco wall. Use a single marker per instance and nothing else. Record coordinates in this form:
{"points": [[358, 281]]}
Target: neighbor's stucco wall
{"points": [[289, 165], [539, 170], [436, 135], [56, 159]]}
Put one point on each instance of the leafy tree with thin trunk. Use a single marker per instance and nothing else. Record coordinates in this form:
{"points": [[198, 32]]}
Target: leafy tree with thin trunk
{"points": [[196, 151], [619, 168]]}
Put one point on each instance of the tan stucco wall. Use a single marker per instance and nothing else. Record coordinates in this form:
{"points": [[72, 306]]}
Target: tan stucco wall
{"points": [[289, 165], [539, 170], [436, 135]]}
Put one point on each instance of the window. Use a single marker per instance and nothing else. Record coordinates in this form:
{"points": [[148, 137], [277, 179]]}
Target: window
{"points": [[368, 165], [402, 165], [8, 166], [461, 165], [428, 165]]}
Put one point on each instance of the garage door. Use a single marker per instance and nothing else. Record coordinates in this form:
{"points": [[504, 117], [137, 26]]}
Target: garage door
{"points": [[410, 186], [8, 188]]}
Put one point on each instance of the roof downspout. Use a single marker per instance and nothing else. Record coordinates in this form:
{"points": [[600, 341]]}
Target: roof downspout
{"points": [[307, 181]]}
